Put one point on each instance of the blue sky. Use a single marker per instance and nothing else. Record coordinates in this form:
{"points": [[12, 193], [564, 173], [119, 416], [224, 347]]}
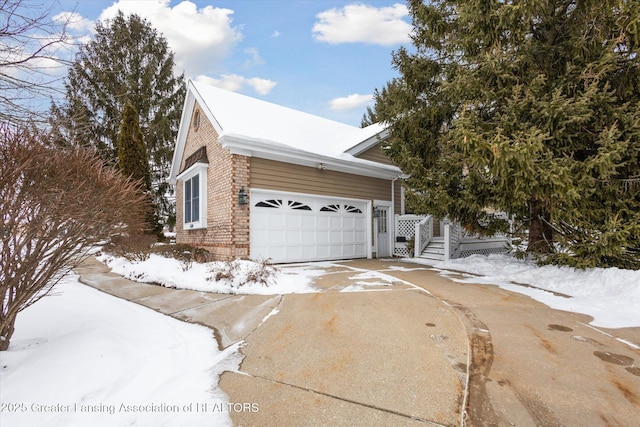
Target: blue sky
{"points": [[324, 57]]}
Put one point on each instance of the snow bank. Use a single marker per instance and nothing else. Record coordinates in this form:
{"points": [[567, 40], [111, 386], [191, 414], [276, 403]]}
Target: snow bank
{"points": [[170, 273], [83, 358], [610, 295]]}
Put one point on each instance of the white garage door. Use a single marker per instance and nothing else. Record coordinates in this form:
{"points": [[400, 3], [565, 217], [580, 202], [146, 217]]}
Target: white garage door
{"points": [[289, 227]]}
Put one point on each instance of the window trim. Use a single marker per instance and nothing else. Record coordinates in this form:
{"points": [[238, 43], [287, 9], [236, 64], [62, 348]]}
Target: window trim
{"points": [[199, 169]]}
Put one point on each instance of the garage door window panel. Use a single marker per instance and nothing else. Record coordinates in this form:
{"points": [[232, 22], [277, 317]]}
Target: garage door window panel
{"points": [[330, 208], [299, 206], [273, 203]]}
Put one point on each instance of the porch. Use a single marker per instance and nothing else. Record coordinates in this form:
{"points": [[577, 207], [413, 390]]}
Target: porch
{"points": [[441, 240]]}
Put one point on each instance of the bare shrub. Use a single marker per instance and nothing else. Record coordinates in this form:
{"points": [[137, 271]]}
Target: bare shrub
{"points": [[56, 204], [261, 272], [239, 273], [136, 247], [224, 271], [186, 254]]}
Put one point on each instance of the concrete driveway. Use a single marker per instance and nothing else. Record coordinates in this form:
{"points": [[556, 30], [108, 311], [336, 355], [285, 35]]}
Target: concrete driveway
{"points": [[391, 343]]}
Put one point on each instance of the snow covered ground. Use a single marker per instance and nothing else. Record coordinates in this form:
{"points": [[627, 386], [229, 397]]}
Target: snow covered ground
{"points": [[610, 295], [169, 272], [85, 358]]}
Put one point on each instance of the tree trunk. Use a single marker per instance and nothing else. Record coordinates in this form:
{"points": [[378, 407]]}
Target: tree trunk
{"points": [[7, 327], [540, 231]]}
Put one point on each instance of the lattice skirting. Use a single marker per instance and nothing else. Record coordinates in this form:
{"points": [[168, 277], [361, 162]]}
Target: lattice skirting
{"points": [[487, 251], [407, 227], [401, 252], [404, 253]]}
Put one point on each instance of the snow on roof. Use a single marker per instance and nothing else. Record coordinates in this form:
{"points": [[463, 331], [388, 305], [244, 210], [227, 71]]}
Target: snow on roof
{"points": [[242, 116]]}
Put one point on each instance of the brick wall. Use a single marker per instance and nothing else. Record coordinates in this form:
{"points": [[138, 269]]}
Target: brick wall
{"points": [[241, 166], [227, 232]]}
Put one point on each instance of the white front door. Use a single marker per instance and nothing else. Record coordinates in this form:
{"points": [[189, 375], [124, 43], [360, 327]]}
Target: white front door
{"points": [[382, 228]]}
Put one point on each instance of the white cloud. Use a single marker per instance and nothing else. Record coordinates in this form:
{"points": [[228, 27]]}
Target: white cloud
{"points": [[262, 86], [237, 83], [275, 34], [359, 23], [74, 21], [350, 102], [199, 37], [254, 57], [38, 56]]}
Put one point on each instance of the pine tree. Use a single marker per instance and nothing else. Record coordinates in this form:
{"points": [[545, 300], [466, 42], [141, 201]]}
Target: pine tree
{"points": [[528, 108], [126, 61], [132, 152], [132, 158]]}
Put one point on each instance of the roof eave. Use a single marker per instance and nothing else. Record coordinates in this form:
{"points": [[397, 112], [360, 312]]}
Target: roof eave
{"points": [[181, 137], [192, 96], [368, 143], [250, 147]]}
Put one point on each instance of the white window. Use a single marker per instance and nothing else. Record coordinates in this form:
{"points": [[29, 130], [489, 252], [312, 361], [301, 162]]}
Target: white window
{"points": [[194, 204], [192, 200], [382, 221]]}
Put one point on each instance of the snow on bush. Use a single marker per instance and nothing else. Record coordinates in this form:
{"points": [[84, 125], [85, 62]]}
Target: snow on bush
{"points": [[239, 272], [232, 277]]}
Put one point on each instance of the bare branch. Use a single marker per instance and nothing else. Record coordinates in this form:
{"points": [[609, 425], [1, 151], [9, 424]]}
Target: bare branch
{"points": [[56, 204], [30, 43]]}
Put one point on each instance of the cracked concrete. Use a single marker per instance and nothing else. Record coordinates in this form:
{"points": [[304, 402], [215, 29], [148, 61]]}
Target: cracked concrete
{"points": [[356, 347]]}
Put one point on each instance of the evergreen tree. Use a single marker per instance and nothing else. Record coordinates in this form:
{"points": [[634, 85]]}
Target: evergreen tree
{"points": [[127, 61], [132, 153], [531, 108], [132, 159]]}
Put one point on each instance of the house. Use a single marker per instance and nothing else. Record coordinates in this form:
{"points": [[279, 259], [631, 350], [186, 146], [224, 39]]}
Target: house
{"points": [[258, 180]]}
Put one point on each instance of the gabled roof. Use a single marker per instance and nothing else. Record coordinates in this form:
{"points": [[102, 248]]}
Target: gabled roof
{"points": [[254, 127]]}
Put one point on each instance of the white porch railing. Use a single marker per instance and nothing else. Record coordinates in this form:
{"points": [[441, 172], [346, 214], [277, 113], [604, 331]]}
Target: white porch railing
{"points": [[424, 234], [452, 239], [456, 244], [405, 231]]}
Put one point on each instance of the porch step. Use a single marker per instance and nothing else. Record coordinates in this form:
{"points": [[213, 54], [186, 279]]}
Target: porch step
{"points": [[431, 257], [434, 250]]}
